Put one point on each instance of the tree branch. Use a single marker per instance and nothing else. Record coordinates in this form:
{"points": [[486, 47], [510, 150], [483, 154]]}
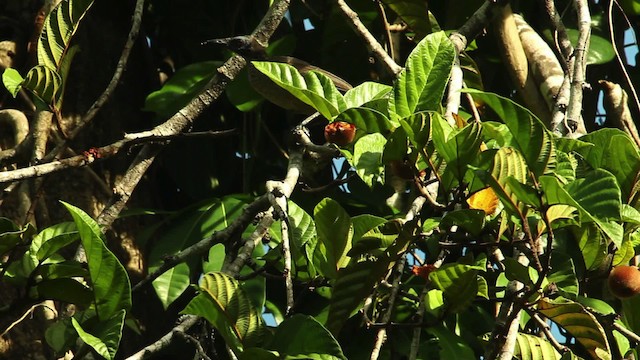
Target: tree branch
{"points": [[372, 43]]}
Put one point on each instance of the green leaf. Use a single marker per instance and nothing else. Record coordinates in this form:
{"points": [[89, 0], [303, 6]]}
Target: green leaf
{"points": [[183, 86], [364, 223], [364, 93], [10, 235], [66, 290], [597, 197], [228, 308], [530, 347], [59, 27], [414, 13], [468, 219], [600, 49], [353, 284], [12, 81], [508, 164], [333, 226], [215, 260], [45, 83], [458, 147], [367, 121], [530, 135], [451, 345], [303, 241], [563, 273], [421, 84], [65, 269], [581, 324], [109, 279], [313, 88], [107, 335], [172, 283], [376, 240], [614, 151], [367, 158], [458, 284], [303, 337], [241, 94], [188, 227], [51, 240]]}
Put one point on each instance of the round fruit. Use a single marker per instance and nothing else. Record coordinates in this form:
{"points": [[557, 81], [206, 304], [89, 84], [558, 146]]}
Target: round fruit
{"points": [[340, 133], [624, 281]]}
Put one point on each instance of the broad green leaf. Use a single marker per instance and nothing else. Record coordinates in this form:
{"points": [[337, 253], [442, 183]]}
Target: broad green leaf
{"points": [[508, 164], [593, 246], [183, 86], [367, 158], [353, 284], [107, 335], [258, 353], [51, 240], [109, 279], [600, 49], [45, 83], [458, 147], [566, 165], [458, 284], [185, 229], [367, 121], [66, 290], [530, 135], [563, 274], [421, 84], [59, 27], [65, 269], [434, 303], [313, 88], [376, 240], [363, 223], [303, 239], [241, 94], [10, 235], [496, 133], [334, 229], [468, 219], [172, 283], [12, 81], [580, 323], [418, 127], [364, 93], [530, 347], [215, 260], [303, 337], [451, 345], [614, 151], [597, 197], [228, 308], [414, 13], [625, 253]]}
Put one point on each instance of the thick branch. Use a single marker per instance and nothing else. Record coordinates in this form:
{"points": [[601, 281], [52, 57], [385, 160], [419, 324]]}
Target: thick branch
{"points": [[616, 104], [574, 111]]}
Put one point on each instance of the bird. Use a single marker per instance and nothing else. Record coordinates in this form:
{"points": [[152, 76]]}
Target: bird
{"points": [[252, 50]]}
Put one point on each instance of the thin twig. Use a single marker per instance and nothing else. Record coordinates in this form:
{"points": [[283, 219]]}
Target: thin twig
{"points": [[286, 253], [201, 247], [115, 80], [546, 329], [92, 155], [372, 43], [381, 336], [149, 351], [417, 332]]}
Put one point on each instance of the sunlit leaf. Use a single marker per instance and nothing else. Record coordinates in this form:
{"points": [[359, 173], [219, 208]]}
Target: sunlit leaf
{"points": [[421, 84], [581, 324]]}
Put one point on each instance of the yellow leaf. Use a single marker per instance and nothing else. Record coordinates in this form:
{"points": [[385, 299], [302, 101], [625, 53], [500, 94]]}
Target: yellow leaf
{"points": [[484, 199]]}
